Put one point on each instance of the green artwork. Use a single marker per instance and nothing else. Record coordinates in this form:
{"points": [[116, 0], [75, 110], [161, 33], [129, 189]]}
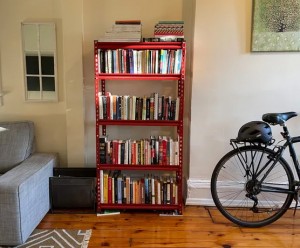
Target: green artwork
{"points": [[276, 25]]}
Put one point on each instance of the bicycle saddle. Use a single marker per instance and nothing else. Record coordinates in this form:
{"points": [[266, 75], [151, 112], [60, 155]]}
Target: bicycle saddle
{"points": [[278, 118]]}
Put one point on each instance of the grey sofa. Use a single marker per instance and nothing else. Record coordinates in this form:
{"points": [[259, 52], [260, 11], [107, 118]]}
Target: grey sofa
{"points": [[24, 182]]}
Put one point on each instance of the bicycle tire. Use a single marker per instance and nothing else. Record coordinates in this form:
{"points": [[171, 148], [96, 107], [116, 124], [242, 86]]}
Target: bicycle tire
{"points": [[235, 191]]}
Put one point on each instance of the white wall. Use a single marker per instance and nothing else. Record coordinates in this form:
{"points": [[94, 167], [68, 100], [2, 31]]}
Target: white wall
{"points": [[232, 86]]}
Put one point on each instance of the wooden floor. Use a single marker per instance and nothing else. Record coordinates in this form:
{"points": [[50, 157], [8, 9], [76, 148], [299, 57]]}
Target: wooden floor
{"points": [[197, 227]]}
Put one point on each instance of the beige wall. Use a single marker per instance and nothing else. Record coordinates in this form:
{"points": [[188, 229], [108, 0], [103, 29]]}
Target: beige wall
{"points": [[59, 126], [226, 84], [98, 16], [232, 86], [68, 126]]}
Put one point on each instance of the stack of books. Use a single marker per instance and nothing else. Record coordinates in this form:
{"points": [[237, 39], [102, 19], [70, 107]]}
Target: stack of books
{"points": [[169, 30], [123, 31]]}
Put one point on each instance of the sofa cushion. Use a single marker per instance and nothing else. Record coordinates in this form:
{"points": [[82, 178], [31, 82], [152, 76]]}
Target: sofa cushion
{"points": [[16, 143]]}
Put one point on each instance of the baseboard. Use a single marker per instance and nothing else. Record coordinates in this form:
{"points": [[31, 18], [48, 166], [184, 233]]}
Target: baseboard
{"points": [[198, 192]]}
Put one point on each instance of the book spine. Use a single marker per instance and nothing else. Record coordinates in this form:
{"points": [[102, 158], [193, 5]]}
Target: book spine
{"points": [[102, 149], [120, 191], [101, 186], [105, 187], [110, 189], [153, 195]]}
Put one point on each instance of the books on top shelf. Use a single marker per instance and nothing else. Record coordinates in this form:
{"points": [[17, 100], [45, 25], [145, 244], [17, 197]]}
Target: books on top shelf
{"points": [[123, 31], [169, 30], [157, 61]]}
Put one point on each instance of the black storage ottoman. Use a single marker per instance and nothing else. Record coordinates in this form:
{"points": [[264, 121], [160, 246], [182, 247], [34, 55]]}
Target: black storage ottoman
{"points": [[73, 189]]}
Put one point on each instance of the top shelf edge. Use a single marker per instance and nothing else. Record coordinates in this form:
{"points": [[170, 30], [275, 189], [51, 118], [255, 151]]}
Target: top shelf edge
{"points": [[139, 45], [138, 76]]}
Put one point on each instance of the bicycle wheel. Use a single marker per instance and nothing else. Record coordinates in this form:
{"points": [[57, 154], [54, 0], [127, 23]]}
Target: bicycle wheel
{"points": [[242, 196]]}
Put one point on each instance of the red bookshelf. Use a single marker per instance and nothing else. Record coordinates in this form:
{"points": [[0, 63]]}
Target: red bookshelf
{"points": [[105, 55]]}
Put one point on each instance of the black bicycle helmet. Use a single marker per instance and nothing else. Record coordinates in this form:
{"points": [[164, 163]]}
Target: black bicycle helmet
{"points": [[255, 131]]}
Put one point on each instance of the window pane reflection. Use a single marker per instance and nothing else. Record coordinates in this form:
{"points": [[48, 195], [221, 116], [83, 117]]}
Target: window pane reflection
{"points": [[33, 83], [48, 84], [47, 63], [32, 64]]}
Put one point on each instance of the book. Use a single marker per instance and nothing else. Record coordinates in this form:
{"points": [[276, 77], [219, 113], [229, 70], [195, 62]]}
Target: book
{"points": [[101, 186], [109, 192], [102, 149], [128, 22], [105, 187], [108, 212], [120, 189], [128, 185]]}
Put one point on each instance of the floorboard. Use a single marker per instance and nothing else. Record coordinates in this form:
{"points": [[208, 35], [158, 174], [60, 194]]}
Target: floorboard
{"points": [[199, 227]]}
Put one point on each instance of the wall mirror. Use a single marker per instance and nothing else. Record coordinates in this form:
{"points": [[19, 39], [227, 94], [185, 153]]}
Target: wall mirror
{"points": [[39, 55]]}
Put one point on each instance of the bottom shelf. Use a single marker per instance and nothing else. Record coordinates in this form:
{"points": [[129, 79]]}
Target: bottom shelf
{"points": [[156, 207]]}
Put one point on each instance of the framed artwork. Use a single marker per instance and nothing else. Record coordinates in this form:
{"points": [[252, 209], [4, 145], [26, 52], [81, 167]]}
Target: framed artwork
{"points": [[275, 26]]}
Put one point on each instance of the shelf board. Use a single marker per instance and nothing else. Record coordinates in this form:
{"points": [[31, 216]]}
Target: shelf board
{"points": [[138, 206], [139, 122], [139, 45], [131, 76], [138, 167]]}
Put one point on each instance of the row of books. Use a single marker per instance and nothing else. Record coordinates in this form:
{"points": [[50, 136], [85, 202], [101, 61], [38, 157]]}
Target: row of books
{"points": [[118, 188], [163, 61], [160, 150], [123, 31], [125, 107]]}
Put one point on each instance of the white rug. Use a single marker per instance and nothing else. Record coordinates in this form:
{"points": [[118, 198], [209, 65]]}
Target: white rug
{"points": [[58, 238]]}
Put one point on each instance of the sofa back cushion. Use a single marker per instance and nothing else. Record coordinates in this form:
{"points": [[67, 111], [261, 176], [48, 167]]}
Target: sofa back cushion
{"points": [[16, 143]]}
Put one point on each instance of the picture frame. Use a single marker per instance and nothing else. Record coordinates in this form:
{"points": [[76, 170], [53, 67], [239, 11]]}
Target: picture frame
{"points": [[275, 26]]}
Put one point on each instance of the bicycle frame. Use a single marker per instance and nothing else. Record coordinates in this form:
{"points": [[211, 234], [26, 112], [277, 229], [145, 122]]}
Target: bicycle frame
{"points": [[289, 142]]}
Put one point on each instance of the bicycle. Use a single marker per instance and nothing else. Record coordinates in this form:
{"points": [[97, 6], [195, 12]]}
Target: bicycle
{"points": [[253, 185]]}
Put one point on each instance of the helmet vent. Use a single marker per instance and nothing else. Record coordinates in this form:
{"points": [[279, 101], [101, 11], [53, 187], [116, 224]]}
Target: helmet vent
{"points": [[254, 132]]}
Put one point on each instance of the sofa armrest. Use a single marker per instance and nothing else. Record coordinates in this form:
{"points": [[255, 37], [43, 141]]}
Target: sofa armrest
{"points": [[13, 179], [24, 194]]}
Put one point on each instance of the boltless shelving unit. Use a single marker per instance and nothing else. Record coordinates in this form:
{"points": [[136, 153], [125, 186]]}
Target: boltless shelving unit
{"points": [[102, 78]]}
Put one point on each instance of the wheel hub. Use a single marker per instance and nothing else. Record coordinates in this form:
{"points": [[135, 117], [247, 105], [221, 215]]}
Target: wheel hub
{"points": [[253, 187]]}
